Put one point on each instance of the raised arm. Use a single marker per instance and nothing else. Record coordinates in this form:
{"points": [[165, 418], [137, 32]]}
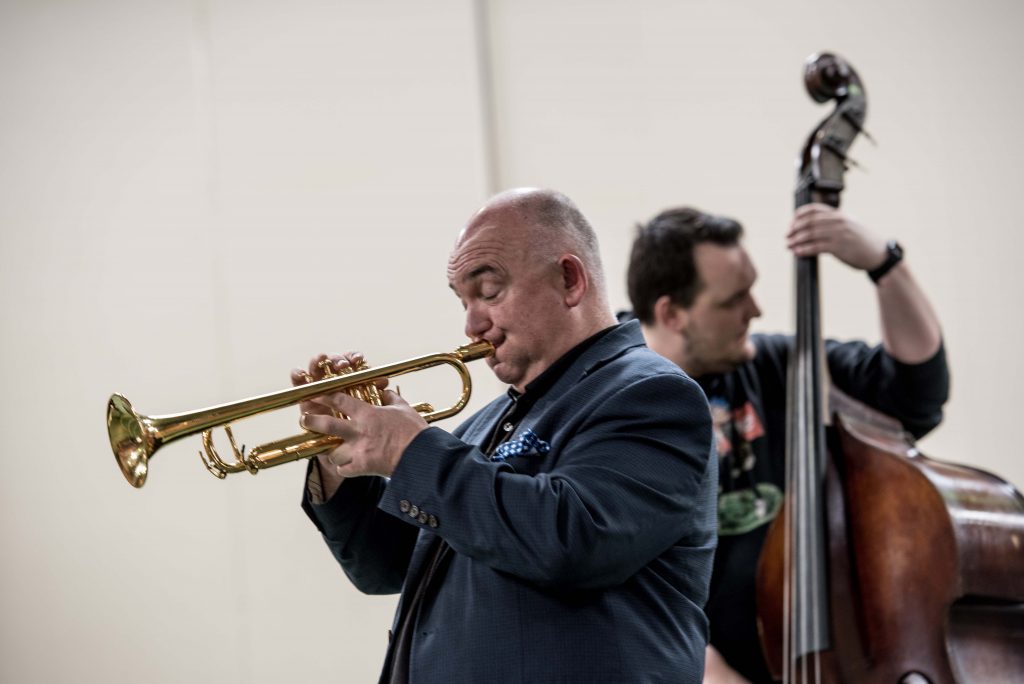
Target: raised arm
{"points": [[910, 327]]}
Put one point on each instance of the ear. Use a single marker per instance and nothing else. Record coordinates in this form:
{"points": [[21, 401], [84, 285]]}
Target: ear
{"points": [[668, 314], [574, 279]]}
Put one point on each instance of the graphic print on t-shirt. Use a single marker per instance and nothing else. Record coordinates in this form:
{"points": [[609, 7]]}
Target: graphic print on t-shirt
{"points": [[743, 504]]}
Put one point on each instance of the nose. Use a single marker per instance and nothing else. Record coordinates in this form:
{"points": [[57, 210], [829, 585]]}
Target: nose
{"points": [[753, 310], [477, 321]]}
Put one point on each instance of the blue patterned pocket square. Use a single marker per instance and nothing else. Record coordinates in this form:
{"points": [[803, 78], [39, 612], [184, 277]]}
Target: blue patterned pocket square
{"points": [[526, 444]]}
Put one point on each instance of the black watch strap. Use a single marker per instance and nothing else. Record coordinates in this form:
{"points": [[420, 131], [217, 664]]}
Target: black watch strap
{"points": [[893, 256]]}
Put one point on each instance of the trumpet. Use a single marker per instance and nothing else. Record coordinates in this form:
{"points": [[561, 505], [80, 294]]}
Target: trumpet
{"points": [[134, 438]]}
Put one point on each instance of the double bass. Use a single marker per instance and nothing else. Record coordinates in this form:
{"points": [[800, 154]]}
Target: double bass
{"points": [[884, 565]]}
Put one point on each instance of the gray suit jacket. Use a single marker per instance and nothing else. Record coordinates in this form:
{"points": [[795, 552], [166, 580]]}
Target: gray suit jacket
{"points": [[583, 556]]}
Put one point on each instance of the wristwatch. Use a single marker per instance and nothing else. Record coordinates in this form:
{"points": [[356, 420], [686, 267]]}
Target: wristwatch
{"points": [[893, 256]]}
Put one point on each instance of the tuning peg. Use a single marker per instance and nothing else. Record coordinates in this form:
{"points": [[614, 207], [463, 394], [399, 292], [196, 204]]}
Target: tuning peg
{"points": [[834, 145], [855, 121], [850, 161]]}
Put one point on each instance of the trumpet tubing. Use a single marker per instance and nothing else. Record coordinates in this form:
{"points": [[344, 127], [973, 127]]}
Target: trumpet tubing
{"points": [[134, 437]]}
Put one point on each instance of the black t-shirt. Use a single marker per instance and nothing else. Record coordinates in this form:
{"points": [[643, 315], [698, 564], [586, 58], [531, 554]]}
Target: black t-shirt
{"points": [[748, 408]]}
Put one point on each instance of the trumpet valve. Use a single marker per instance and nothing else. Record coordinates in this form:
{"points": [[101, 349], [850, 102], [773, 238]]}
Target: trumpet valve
{"points": [[367, 392]]}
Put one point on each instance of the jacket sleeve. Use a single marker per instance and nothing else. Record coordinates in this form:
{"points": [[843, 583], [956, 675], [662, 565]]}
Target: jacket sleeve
{"points": [[635, 476], [372, 547]]}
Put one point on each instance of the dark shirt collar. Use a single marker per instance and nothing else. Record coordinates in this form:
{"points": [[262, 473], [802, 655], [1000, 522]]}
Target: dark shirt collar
{"points": [[540, 385], [520, 404], [710, 382]]}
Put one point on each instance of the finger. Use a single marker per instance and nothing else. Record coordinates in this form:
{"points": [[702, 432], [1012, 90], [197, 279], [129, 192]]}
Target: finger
{"points": [[330, 461], [809, 247], [315, 409], [351, 467], [319, 364], [812, 220], [814, 213], [802, 224], [337, 458], [321, 404], [336, 362], [329, 425], [341, 363], [300, 377], [313, 367], [348, 470], [803, 211], [354, 358], [815, 208], [333, 364], [390, 398], [342, 403], [803, 234]]}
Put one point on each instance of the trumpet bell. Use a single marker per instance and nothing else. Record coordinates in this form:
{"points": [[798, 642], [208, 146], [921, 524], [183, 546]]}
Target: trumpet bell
{"points": [[131, 442]]}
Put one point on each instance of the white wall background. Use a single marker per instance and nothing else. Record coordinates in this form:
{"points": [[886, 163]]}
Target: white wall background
{"points": [[197, 195]]}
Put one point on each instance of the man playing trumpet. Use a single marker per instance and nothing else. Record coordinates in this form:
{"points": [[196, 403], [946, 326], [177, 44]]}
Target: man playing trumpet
{"points": [[565, 532]]}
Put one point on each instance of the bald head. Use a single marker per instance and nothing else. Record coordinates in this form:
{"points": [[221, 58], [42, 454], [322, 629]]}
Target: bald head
{"points": [[528, 272], [549, 224]]}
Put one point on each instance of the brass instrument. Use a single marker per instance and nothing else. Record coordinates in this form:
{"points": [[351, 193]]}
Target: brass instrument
{"points": [[135, 438]]}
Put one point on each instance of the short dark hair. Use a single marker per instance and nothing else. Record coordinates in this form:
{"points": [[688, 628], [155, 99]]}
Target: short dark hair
{"points": [[661, 262]]}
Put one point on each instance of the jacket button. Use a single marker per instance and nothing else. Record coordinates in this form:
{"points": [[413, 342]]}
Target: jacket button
{"points": [[403, 506], [422, 518], [433, 521], [414, 511]]}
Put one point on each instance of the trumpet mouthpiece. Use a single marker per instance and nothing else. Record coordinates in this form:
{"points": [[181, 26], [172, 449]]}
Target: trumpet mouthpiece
{"points": [[478, 349]]}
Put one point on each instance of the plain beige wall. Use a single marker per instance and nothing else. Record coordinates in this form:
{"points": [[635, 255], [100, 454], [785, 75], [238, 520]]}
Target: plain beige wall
{"points": [[195, 196]]}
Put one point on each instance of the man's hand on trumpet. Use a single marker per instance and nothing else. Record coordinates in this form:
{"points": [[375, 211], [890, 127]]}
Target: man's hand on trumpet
{"points": [[375, 436]]}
